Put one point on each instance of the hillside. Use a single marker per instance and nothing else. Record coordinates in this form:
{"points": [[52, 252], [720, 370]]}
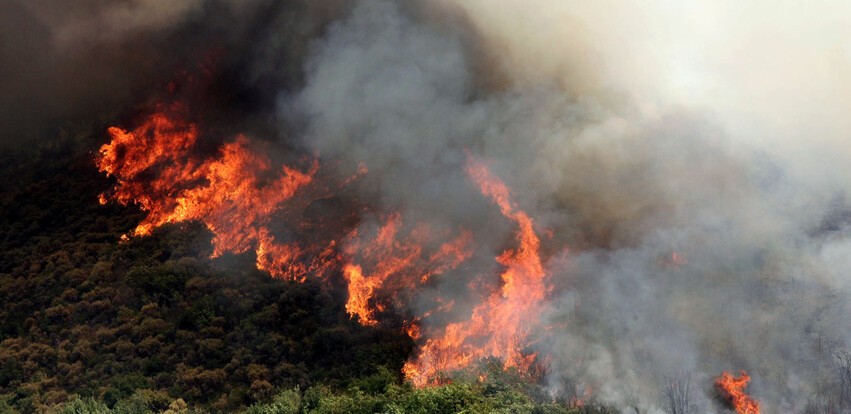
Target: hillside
{"points": [[144, 323], [425, 206]]}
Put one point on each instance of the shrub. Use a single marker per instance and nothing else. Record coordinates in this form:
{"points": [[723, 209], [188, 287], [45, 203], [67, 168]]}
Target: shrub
{"points": [[85, 406], [286, 402]]}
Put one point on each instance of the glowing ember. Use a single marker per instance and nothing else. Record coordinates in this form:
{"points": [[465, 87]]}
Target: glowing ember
{"points": [[732, 389], [156, 168], [502, 324]]}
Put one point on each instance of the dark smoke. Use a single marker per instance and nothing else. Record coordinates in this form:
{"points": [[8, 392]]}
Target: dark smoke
{"points": [[73, 61]]}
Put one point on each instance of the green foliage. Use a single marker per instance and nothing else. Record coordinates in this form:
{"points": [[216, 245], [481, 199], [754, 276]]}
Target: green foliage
{"points": [[85, 406], [451, 398], [143, 401], [5, 407], [82, 313], [286, 402], [379, 382], [89, 324], [462, 396], [10, 370], [123, 385]]}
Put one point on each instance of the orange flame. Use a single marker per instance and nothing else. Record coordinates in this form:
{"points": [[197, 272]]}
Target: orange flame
{"points": [[732, 389], [398, 261], [155, 168], [502, 324], [236, 193]]}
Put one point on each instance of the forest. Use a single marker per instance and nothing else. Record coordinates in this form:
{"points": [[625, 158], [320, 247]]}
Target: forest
{"points": [[425, 206], [91, 325]]}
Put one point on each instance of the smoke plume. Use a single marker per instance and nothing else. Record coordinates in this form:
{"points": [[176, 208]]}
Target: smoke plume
{"points": [[691, 160], [686, 165]]}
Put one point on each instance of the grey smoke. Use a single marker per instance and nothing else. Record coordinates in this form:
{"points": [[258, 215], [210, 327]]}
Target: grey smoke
{"points": [[631, 131], [623, 183]]}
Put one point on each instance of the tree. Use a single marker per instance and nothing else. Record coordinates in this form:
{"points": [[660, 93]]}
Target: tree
{"points": [[677, 394]]}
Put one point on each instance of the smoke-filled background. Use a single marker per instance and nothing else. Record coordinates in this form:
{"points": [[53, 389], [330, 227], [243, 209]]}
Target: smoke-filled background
{"points": [[688, 163]]}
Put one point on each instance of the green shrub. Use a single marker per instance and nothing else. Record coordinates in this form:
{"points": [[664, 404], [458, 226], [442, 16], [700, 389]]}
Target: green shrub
{"points": [[143, 401], [85, 406], [286, 402]]}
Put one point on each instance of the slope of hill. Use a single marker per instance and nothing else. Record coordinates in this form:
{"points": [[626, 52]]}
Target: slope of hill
{"points": [[89, 323]]}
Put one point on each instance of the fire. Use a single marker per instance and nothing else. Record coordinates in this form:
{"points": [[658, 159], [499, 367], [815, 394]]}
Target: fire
{"points": [[239, 195], [732, 389], [501, 325], [399, 261], [156, 167]]}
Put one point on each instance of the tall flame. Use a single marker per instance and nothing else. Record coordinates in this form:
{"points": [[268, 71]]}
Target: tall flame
{"points": [[236, 194], [397, 261], [501, 325], [732, 389], [156, 168]]}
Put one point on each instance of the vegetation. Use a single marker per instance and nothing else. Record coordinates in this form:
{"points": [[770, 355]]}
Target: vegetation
{"points": [[89, 324], [504, 392]]}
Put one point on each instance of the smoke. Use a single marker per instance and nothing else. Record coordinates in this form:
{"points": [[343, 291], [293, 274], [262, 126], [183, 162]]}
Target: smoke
{"points": [[688, 163], [692, 157], [69, 62]]}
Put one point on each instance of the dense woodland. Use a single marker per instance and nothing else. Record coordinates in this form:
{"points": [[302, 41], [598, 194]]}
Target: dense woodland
{"points": [[91, 324]]}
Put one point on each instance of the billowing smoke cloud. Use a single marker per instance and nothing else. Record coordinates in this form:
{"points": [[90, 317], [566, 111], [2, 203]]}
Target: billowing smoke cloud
{"points": [[692, 158], [670, 147]]}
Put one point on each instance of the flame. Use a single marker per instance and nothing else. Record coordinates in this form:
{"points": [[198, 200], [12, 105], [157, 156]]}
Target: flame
{"points": [[732, 389], [238, 194], [156, 168], [501, 325], [399, 261], [413, 330]]}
